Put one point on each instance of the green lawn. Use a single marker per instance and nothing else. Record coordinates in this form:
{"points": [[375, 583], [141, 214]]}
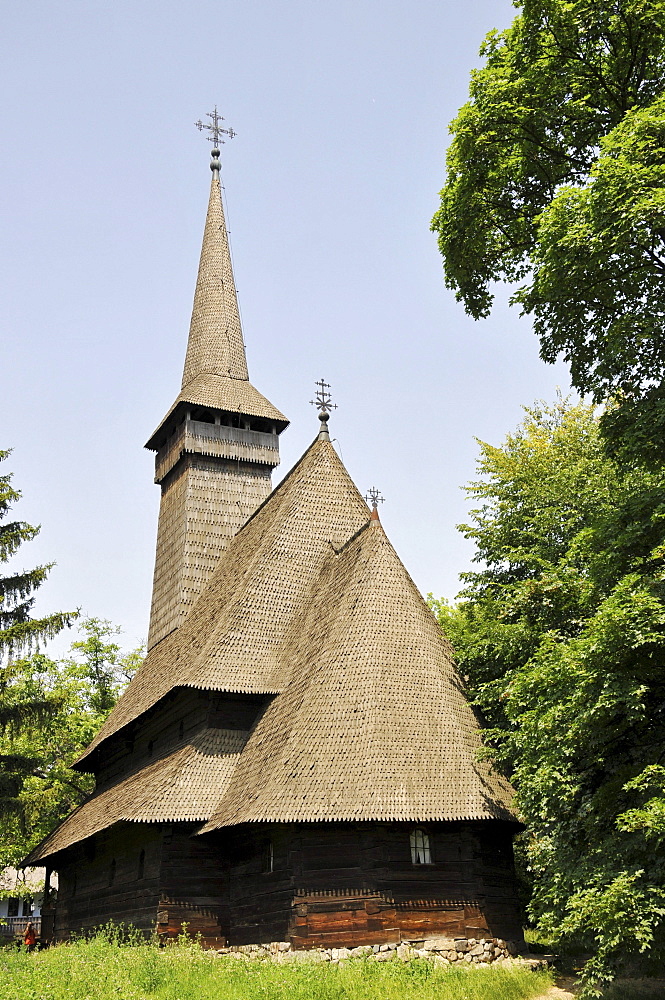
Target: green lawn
{"points": [[100, 969]]}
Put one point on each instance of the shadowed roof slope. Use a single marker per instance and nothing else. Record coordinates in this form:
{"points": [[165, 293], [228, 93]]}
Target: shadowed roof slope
{"points": [[374, 723], [239, 635], [178, 787]]}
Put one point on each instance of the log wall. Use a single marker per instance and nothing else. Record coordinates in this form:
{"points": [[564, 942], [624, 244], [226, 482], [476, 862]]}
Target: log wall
{"points": [[193, 886], [315, 885], [349, 884], [106, 878]]}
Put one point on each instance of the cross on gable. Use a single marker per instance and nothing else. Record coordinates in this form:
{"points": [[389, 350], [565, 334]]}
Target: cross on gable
{"points": [[373, 497]]}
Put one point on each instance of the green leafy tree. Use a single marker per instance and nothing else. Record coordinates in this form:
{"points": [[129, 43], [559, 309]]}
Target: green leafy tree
{"points": [[560, 632], [49, 710], [555, 174], [37, 750]]}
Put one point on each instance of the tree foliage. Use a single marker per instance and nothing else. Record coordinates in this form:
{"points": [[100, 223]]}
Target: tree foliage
{"points": [[561, 634], [49, 711], [555, 174], [38, 786], [18, 631]]}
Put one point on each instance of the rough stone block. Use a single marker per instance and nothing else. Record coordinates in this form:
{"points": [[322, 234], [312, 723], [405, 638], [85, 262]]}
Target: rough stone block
{"points": [[439, 944]]}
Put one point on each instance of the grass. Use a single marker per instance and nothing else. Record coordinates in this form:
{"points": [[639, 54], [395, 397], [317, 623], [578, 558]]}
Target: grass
{"points": [[103, 969]]}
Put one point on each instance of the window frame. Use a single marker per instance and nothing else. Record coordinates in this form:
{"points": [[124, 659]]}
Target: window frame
{"points": [[421, 846]]}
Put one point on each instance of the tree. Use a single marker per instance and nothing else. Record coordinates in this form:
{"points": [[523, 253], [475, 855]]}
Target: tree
{"points": [[18, 631], [37, 751], [555, 174], [49, 710], [561, 635]]}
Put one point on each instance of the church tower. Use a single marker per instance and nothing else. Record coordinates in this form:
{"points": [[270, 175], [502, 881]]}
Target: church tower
{"points": [[218, 444]]}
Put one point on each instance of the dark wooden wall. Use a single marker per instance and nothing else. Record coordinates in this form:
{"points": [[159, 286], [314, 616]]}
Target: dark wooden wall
{"points": [[179, 716], [317, 885], [348, 884], [92, 890], [193, 886]]}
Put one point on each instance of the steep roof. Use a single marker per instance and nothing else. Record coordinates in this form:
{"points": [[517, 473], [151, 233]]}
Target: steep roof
{"points": [[215, 371], [215, 344], [374, 723], [368, 719], [178, 787], [238, 636]]}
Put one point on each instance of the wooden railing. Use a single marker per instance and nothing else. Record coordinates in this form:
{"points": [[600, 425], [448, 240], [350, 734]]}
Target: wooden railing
{"points": [[15, 926]]}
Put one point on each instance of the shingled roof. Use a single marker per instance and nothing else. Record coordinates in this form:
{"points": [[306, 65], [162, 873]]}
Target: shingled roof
{"points": [[215, 371], [368, 719], [178, 787], [238, 636], [373, 723]]}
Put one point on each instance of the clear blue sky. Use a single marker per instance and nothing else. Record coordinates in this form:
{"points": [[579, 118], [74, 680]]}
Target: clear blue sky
{"points": [[341, 111]]}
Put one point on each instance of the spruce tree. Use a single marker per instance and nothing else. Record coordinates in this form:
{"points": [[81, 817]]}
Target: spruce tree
{"points": [[19, 632]]}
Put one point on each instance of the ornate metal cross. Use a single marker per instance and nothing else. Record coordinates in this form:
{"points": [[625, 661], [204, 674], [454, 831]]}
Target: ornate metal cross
{"points": [[374, 497], [215, 129], [323, 398]]}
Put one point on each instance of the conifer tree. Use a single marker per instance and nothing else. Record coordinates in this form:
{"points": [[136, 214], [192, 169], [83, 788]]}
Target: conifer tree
{"points": [[18, 631]]}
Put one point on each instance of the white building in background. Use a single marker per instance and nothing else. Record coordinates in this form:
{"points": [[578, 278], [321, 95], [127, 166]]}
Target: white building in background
{"points": [[21, 898]]}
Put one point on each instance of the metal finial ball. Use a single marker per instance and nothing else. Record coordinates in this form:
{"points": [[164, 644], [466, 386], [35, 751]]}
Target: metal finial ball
{"points": [[214, 152], [324, 417]]}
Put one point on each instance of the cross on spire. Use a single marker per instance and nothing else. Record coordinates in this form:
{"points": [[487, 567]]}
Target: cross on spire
{"points": [[373, 497], [215, 129], [323, 398]]}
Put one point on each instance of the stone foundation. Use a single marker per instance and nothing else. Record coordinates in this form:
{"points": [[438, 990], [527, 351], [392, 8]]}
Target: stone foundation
{"points": [[442, 951]]}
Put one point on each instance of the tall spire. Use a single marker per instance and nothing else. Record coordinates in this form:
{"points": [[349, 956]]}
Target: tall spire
{"points": [[218, 444], [215, 345]]}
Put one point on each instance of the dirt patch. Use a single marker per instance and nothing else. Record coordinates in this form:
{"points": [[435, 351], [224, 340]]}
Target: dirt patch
{"points": [[556, 993], [567, 988]]}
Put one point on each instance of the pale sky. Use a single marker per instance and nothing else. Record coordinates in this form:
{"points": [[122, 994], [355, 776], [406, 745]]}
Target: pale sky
{"points": [[341, 111]]}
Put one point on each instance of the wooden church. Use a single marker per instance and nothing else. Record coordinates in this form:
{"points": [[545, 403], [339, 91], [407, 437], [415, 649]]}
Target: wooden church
{"points": [[295, 760]]}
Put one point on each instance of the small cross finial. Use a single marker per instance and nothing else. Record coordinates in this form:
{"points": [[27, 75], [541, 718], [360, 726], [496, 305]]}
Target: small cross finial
{"points": [[373, 497], [216, 131], [323, 399], [324, 403]]}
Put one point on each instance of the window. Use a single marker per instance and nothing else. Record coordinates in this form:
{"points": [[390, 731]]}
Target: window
{"points": [[12, 906], [28, 906], [141, 864], [268, 858], [112, 873], [420, 849]]}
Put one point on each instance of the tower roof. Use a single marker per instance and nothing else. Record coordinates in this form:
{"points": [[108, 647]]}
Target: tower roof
{"points": [[215, 345], [215, 371]]}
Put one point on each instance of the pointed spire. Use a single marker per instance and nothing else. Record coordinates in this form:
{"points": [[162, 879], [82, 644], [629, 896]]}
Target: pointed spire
{"points": [[215, 345]]}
